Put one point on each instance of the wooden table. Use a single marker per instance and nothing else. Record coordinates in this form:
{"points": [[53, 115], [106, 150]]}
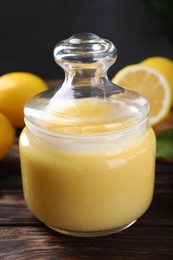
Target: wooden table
{"points": [[22, 236]]}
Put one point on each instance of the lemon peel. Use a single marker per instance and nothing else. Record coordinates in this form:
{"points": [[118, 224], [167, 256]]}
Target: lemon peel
{"points": [[7, 134], [15, 90]]}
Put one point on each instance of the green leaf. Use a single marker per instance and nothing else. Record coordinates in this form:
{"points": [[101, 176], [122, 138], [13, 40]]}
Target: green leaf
{"points": [[164, 146]]}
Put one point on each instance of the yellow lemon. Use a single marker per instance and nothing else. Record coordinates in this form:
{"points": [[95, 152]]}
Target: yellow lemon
{"points": [[7, 134], [164, 66], [152, 84], [15, 89]]}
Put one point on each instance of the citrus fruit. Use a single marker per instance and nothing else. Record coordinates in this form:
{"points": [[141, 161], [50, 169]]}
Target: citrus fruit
{"points": [[7, 134], [152, 84], [164, 66], [15, 89]]}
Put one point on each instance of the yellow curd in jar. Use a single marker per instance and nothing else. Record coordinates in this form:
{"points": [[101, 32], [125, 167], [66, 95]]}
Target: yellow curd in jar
{"points": [[88, 186]]}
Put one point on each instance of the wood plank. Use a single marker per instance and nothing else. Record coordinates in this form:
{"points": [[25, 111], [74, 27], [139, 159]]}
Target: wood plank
{"points": [[10, 173], [15, 212], [137, 242], [11, 180]]}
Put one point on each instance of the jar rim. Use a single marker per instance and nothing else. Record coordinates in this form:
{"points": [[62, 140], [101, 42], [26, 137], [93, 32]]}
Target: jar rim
{"points": [[96, 137]]}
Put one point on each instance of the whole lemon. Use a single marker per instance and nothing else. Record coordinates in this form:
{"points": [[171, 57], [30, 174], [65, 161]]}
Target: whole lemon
{"points": [[7, 134], [15, 90]]}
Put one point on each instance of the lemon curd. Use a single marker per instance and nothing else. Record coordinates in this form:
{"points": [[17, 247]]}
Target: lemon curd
{"points": [[88, 186], [87, 151]]}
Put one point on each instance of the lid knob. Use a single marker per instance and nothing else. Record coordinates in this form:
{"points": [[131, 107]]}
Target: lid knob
{"points": [[85, 48]]}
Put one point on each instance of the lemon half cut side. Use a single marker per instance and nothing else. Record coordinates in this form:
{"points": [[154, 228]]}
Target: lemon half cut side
{"points": [[150, 83], [163, 65]]}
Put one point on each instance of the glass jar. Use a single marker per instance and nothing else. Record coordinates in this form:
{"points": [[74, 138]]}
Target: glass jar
{"points": [[87, 151]]}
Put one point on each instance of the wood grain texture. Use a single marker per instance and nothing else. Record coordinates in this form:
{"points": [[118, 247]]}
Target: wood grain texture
{"points": [[14, 212], [138, 242], [12, 202]]}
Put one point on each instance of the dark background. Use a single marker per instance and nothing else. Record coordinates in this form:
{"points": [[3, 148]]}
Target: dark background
{"points": [[31, 29]]}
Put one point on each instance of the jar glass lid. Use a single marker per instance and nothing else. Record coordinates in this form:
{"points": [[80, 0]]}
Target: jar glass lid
{"points": [[86, 102]]}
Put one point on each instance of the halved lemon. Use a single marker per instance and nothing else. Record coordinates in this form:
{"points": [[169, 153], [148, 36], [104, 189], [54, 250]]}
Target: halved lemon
{"points": [[150, 83], [163, 65]]}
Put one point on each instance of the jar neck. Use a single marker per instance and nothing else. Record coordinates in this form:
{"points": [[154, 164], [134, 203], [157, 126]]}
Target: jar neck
{"points": [[82, 77]]}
